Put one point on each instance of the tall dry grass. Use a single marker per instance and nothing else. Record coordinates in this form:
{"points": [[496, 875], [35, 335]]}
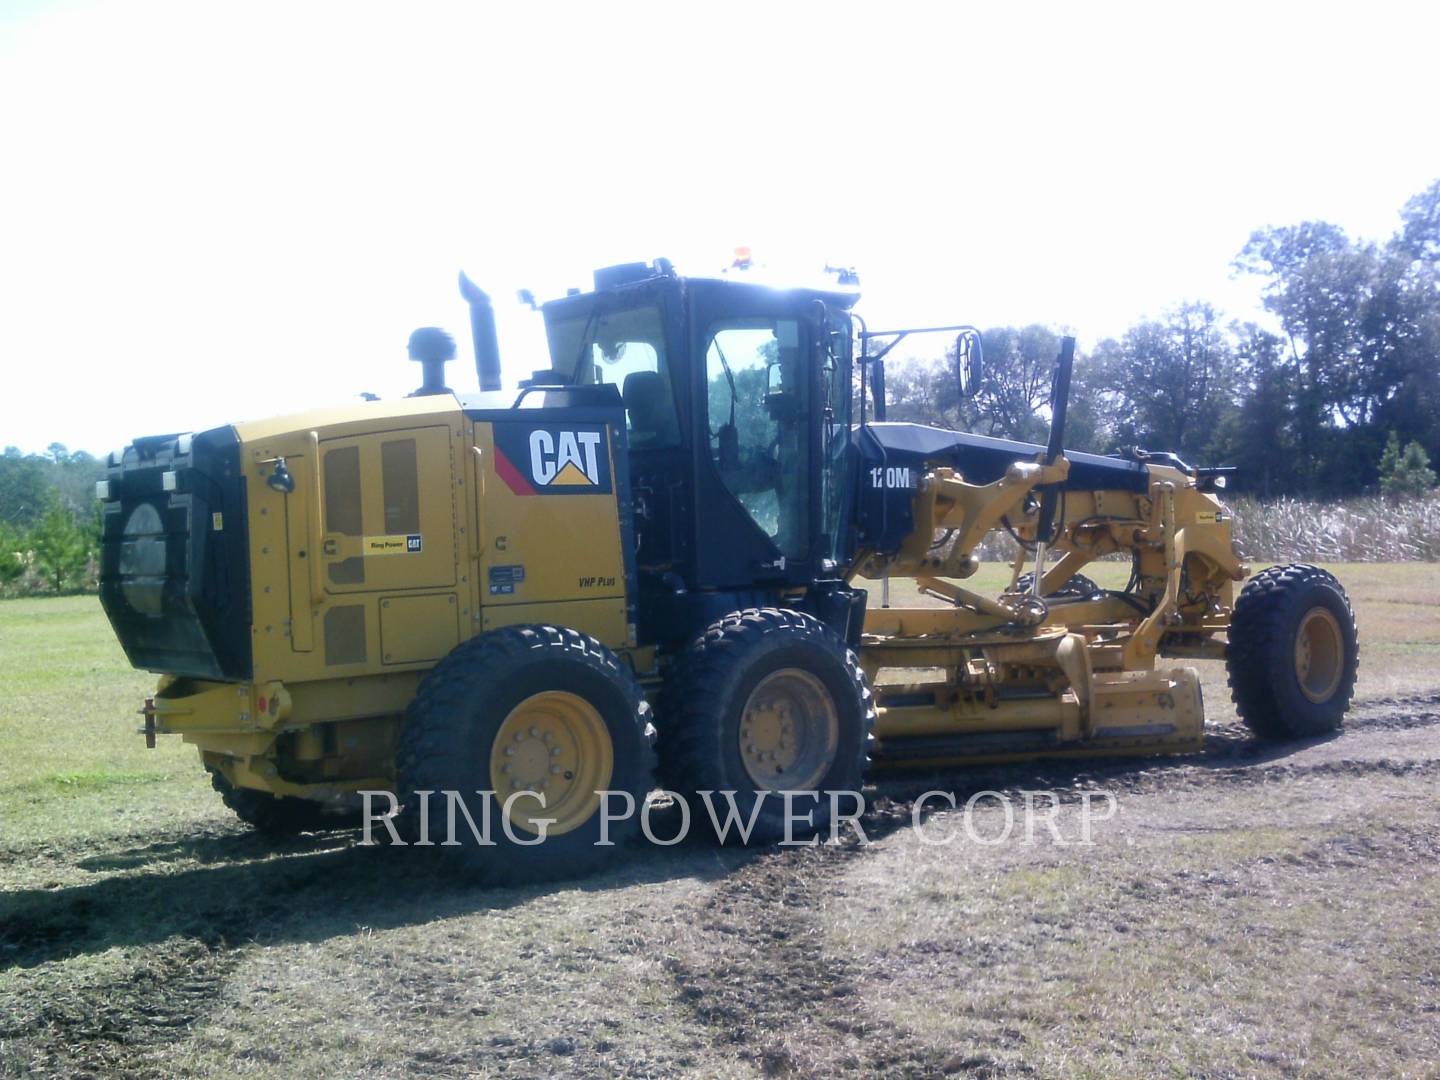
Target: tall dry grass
{"points": [[1367, 530], [1370, 529]]}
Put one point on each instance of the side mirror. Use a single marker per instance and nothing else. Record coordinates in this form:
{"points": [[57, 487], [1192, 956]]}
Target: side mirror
{"points": [[969, 362]]}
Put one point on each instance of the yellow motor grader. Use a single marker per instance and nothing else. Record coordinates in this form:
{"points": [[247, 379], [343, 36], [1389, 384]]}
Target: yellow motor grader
{"points": [[646, 567]]}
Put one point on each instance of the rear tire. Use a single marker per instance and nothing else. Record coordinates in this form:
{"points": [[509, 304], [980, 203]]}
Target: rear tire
{"points": [[766, 700], [1293, 653], [274, 816], [526, 708]]}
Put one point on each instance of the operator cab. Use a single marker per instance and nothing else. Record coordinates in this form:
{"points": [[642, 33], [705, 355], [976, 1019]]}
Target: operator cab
{"points": [[737, 399]]}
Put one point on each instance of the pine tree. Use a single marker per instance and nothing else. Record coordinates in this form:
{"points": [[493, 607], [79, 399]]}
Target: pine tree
{"points": [[1405, 473], [60, 545]]}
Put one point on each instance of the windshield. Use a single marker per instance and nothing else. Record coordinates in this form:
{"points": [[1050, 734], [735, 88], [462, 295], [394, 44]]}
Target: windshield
{"points": [[627, 348]]}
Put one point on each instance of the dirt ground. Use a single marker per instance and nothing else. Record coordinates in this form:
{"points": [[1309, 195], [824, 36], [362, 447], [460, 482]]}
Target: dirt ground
{"points": [[1256, 910]]}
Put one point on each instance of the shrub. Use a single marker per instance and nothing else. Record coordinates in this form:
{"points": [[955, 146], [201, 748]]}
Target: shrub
{"points": [[13, 561]]}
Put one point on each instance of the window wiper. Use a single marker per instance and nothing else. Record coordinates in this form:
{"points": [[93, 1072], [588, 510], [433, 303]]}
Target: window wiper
{"points": [[729, 377]]}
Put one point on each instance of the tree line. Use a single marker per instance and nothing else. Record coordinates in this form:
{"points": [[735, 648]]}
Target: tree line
{"points": [[1341, 396], [49, 520]]}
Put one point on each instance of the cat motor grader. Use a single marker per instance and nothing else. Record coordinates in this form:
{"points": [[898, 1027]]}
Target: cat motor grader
{"points": [[646, 567]]}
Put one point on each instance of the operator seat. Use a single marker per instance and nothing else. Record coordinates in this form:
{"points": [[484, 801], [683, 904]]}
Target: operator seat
{"points": [[651, 410]]}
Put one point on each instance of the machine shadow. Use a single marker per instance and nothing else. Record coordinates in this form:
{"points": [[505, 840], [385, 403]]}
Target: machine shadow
{"points": [[226, 847], [308, 889]]}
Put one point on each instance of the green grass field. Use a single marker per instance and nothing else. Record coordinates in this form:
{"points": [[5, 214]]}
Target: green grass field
{"points": [[71, 764]]}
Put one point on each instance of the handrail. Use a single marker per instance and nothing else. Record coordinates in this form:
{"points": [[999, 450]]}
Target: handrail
{"points": [[316, 523]]}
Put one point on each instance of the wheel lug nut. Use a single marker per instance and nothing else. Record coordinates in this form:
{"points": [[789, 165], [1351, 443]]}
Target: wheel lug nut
{"points": [[509, 751], [555, 770], [534, 732], [555, 751]]}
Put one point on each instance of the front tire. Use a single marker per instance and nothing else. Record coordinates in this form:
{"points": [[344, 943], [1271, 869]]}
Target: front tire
{"points": [[1293, 653], [765, 700], [540, 709]]}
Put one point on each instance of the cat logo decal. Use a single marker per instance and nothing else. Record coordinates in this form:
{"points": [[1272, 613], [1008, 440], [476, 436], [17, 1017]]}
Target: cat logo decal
{"points": [[553, 460]]}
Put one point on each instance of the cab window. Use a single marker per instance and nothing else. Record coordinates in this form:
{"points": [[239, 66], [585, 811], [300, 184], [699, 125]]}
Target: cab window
{"points": [[757, 403], [625, 348]]}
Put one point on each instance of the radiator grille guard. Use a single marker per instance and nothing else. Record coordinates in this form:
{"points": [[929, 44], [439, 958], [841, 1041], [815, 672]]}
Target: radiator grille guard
{"points": [[174, 571]]}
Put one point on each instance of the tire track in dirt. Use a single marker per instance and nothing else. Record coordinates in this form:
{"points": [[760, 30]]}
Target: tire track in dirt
{"points": [[757, 975], [1395, 713], [118, 1026], [757, 972], [182, 935]]}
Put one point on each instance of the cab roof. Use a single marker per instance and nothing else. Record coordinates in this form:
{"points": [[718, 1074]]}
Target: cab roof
{"points": [[614, 280]]}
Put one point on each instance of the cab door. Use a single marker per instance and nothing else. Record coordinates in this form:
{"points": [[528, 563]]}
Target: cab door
{"points": [[756, 440]]}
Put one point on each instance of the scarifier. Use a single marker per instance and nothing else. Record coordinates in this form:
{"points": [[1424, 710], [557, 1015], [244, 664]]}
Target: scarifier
{"points": [[645, 568]]}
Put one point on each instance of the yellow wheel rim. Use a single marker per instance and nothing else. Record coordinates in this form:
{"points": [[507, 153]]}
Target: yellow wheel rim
{"points": [[555, 744], [789, 731], [1319, 654]]}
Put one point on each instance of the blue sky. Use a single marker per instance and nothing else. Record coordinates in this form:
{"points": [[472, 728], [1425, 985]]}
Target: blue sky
{"points": [[214, 211]]}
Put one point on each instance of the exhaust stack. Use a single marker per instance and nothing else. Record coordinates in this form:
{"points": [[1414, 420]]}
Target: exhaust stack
{"points": [[482, 329]]}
